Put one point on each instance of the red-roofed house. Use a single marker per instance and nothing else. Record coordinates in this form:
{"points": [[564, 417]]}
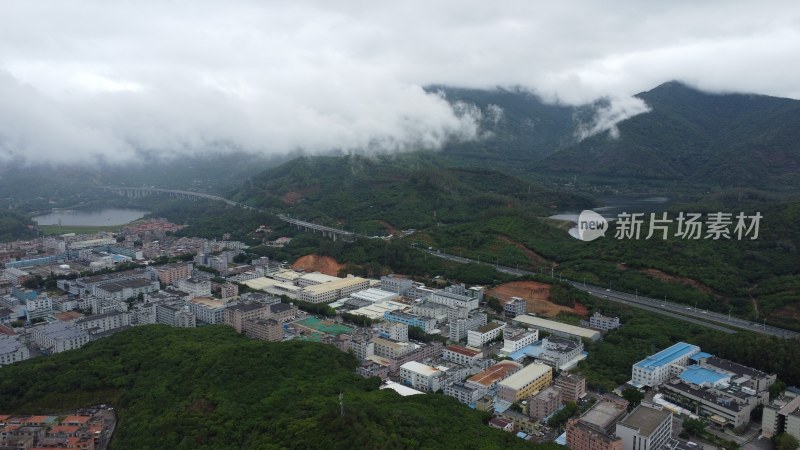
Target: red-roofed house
{"points": [[461, 355]]}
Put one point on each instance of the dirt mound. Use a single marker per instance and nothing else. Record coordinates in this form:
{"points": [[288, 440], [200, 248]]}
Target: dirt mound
{"points": [[536, 295], [317, 263]]}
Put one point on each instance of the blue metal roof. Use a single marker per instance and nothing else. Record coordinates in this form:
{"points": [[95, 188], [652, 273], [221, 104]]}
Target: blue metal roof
{"points": [[700, 355], [668, 355], [532, 350], [700, 375]]}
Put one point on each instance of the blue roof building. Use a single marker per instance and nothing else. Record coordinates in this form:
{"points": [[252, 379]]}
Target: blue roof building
{"points": [[655, 369]]}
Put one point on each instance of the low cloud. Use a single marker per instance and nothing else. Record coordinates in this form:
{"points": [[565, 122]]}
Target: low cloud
{"points": [[608, 113]]}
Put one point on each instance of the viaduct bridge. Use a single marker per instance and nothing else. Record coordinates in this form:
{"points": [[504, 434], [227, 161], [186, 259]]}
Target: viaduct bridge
{"points": [[136, 192]]}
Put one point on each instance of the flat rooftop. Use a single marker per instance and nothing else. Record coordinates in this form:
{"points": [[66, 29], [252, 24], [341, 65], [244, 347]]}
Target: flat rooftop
{"points": [[421, 369], [495, 373], [489, 327], [603, 414], [374, 295], [702, 376], [646, 419], [466, 351], [208, 302], [524, 376], [668, 355], [317, 277], [333, 285], [538, 322]]}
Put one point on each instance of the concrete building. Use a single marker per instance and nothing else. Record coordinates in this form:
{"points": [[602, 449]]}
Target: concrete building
{"points": [[372, 369], [195, 287], [395, 284], [656, 369], [491, 331], [362, 347], [38, 307], [420, 376], [572, 386], [16, 276], [451, 299], [282, 312], [12, 350], [558, 328], [263, 329], [604, 323], [428, 325], [58, 337], [313, 279], [513, 341], [782, 415], [207, 309], [100, 323], [501, 424], [559, 352], [175, 315], [721, 403], [463, 393], [394, 331], [459, 327], [125, 289], [387, 348], [515, 307], [461, 355], [172, 273], [494, 374], [334, 290], [431, 310], [228, 290], [594, 430], [525, 383], [236, 315], [544, 403], [648, 427], [374, 295]]}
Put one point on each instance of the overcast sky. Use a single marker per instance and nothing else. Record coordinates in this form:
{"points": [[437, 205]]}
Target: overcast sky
{"points": [[85, 79]]}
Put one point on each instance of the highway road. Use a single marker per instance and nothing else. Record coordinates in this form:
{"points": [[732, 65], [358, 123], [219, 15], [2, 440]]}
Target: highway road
{"points": [[710, 319]]}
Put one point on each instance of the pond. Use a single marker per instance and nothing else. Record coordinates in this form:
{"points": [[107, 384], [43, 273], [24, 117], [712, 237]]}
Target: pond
{"points": [[102, 217]]}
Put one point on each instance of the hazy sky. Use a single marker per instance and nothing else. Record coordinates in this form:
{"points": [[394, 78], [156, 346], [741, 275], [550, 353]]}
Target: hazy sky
{"points": [[84, 79]]}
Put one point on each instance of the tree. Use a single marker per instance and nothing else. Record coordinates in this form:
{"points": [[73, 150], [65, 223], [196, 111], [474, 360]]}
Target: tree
{"points": [[633, 396], [694, 426], [785, 441]]}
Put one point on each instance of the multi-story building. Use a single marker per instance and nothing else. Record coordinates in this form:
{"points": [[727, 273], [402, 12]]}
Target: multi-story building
{"points": [[228, 290], [463, 393], [58, 337], [375, 295], [594, 429], [391, 349], [100, 323], [12, 350], [428, 325], [646, 427], [545, 403], [171, 273], [461, 355], [782, 415], [454, 300], [572, 386], [362, 347], [372, 369], [314, 278], [16, 276], [559, 351], [38, 307], [195, 287], [125, 289], [431, 310], [208, 309], [656, 369], [459, 327], [604, 323], [394, 331], [513, 341], [515, 307], [521, 422], [264, 329], [420, 376], [396, 284], [282, 312], [489, 378], [236, 315], [525, 383], [489, 332], [723, 404], [334, 290]]}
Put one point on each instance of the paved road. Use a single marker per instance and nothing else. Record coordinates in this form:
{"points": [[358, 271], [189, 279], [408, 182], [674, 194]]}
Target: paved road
{"points": [[717, 321]]}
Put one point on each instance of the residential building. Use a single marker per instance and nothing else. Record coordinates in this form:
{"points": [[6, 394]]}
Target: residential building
{"points": [[207, 309], [16, 276], [485, 403], [558, 328], [779, 415], [525, 383], [394, 331], [517, 340], [648, 427], [282, 312], [463, 393], [594, 429], [572, 386], [515, 307], [334, 290], [236, 315], [172, 273], [263, 329], [396, 284], [195, 287], [489, 332], [521, 422], [462, 355], [372, 369], [489, 378], [501, 424], [175, 315], [362, 347], [604, 323], [58, 337], [656, 369], [125, 289], [99, 323], [391, 349], [228, 290], [12, 350], [545, 403], [428, 325], [38, 307], [460, 327], [420, 376], [558, 351]]}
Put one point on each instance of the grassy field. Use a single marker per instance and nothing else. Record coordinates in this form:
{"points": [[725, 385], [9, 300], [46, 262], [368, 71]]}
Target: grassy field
{"points": [[77, 229]]}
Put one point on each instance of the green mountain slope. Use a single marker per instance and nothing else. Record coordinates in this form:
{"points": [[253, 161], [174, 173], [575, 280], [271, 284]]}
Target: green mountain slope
{"points": [[696, 137], [211, 388]]}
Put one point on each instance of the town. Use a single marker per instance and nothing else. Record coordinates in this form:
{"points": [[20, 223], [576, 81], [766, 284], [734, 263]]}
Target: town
{"points": [[60, 293]]}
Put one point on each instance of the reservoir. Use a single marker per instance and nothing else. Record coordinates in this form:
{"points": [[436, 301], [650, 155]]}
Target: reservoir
{"points": [[102, 217]]}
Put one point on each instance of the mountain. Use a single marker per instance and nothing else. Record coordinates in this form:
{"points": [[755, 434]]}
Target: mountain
{"points": [[210, 388], [695, 137]]}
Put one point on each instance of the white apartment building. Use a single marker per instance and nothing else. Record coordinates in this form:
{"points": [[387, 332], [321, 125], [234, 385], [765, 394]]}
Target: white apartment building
{"points": [[208, 309], [648, 427], [421, 376], [58, 337], [104, 322], [195, 287], [461, 355], [604, 323], [387, 348], [477, 338], [12, 350], [517, 341]]}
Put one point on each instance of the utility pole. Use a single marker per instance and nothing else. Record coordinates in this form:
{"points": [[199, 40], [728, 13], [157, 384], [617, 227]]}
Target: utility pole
{"points": [[341, 403]]}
